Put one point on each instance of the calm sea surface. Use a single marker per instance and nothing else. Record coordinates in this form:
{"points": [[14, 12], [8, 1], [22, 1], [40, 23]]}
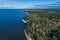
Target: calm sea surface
{"points": [[11, 25]]}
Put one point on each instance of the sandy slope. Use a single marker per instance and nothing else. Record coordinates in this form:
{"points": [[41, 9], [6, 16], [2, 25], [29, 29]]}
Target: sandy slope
{"points": [[28, 37]]}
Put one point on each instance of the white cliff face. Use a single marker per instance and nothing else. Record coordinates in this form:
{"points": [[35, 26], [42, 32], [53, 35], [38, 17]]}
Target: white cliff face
{"points": [[24, 21]]}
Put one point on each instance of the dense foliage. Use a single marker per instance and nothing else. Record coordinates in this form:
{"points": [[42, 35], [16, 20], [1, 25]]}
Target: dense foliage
{"points": [[43, 24]]}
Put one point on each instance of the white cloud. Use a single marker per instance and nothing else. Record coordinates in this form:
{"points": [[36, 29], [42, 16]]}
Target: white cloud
{"points": [[16, 5], [2, 6], [22, 6], [47, 5]]}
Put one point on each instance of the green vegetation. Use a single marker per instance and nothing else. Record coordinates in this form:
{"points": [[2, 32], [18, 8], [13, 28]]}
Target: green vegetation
{"points": [[43, 24]]}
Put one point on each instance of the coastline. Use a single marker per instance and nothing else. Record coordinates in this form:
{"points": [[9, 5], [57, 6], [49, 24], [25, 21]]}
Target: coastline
{"points": [[24, 17], [26, 12], [24, 21], [28, 37]]}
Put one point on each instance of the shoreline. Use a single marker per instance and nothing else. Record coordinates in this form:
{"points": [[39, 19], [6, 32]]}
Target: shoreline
{"points": [[24, 21], [28, 37], [24, 17], [26, 12]]}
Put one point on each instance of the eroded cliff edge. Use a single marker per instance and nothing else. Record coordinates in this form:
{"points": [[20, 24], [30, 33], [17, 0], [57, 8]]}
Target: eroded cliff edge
{"points": [[43, 25]]}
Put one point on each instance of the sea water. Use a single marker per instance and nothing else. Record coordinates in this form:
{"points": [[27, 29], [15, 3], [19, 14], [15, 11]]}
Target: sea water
{"points": [[11, 25]]}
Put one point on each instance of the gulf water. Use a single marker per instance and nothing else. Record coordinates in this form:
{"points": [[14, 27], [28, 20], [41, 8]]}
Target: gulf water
{"points": [[11, 25]]}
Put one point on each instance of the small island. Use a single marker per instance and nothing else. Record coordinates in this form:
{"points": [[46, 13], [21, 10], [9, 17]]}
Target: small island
{"points": [[42, 25]]}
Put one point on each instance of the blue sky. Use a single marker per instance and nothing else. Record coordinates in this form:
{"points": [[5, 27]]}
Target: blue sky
{"points": [[22, 4]]}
